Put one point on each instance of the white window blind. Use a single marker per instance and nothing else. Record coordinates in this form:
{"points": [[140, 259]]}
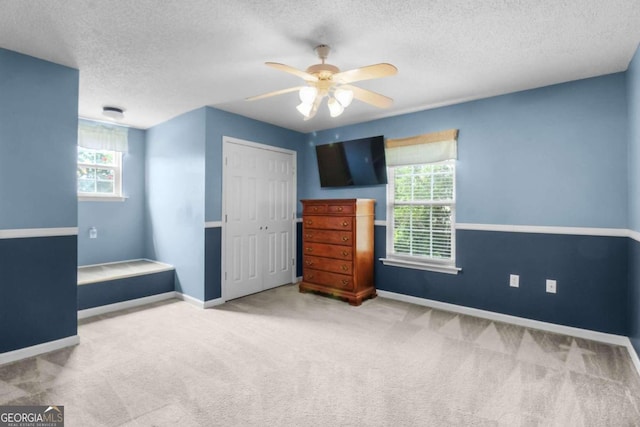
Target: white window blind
{"points": [[423, 210], [97, 136]]}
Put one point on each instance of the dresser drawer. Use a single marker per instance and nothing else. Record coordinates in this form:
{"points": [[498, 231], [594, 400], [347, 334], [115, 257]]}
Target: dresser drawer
{"points": [[340, 209], [314, 209], [328, 236], [331, 251], [329, 222], [333, 280], [328, 264]]}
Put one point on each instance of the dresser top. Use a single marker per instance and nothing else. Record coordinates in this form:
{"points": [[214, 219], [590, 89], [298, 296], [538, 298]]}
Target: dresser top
{"points": [[336, 200]]}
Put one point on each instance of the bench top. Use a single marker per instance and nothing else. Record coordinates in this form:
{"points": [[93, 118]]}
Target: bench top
{"points": [[119, 270]]}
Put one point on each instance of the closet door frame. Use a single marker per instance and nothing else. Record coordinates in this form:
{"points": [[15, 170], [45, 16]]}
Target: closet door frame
{"points": [[226, 140]]}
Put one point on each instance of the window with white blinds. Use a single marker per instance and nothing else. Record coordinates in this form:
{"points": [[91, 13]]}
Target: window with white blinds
{"points": [[423, 209], [421, 201]]}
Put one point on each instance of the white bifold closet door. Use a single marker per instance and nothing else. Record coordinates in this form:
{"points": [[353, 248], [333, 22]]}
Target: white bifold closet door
{"points": [[258, 221]]}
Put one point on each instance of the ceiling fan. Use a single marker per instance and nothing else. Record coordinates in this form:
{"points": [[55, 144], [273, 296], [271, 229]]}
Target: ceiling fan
{"points": [[326, 80]]}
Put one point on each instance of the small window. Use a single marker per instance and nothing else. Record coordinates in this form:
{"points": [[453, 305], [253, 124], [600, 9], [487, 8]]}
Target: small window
{"points": [[99, 174]]}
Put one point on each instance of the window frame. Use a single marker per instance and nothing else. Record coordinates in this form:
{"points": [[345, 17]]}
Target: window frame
{"points": [[412, 261], [117, 195]]}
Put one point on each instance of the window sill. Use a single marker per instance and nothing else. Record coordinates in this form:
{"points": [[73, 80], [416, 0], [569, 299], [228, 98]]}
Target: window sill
{"points": [[438, 268], [101, 198]]}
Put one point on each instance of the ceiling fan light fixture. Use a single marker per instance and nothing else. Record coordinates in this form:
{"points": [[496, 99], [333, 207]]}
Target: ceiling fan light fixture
{"points": [[344, 96], [335, 108], [305, 108], [308, 94]]}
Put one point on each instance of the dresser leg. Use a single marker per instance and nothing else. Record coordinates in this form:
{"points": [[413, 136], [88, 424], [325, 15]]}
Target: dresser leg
{"points": [[355, 301]]}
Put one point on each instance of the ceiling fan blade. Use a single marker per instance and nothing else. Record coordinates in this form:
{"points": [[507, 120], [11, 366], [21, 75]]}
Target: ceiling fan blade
{"points": [[369, 97], [274, 93], [287, 69], [365, 73]]}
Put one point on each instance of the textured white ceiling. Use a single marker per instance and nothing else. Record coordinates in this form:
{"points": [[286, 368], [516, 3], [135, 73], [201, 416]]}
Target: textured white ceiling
{"points": [[158, 58]]}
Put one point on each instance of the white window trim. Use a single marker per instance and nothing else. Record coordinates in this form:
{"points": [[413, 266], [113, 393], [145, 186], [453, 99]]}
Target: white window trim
{"points": [[95, 197], [82, 198], [418, 263]]}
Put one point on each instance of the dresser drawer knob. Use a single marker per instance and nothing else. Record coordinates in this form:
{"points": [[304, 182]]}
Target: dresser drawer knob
{"points": [[309, 249], [345, 223], [345, 268], [309, 222], [339, 208], [315, 209], [345, 282], [309, 276], [308, 262], [345, 238], [345, 253], [308, 236]]}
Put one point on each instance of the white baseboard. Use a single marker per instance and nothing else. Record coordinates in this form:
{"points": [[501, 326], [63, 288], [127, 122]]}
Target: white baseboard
{"points": [[35, 350], [213, 302], [520, 321], [191, 300], [199, 303], [103, 309], [633, 355]]}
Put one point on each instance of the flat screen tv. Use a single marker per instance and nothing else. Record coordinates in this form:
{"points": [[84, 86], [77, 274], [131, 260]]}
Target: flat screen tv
{"points": [[352, 163]]}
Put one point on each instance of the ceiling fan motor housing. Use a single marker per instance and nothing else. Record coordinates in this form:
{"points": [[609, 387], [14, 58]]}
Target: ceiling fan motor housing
{"points": [[323, 71]]}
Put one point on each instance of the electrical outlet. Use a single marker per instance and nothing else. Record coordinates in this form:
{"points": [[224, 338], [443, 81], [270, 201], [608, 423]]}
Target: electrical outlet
{"points": [[551, 286], [514, 280], [93, 233]]}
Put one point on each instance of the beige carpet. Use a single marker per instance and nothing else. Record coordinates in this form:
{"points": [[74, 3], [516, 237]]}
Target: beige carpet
{"points": [[281, 358]]}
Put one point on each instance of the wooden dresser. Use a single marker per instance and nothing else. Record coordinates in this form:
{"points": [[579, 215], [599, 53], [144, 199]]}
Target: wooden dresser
{"points": [[337, 246]]}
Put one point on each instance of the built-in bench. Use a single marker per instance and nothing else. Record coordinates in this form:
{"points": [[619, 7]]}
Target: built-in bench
{"points": [[112, 283]]}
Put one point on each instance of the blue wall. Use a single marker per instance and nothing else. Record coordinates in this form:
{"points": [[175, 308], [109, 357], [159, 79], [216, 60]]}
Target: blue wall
{"points": [[38, 134], [121, 225], [591, 273], [175, 189], [633, 97], [530, 158], [184, 180], [554, 156]]}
